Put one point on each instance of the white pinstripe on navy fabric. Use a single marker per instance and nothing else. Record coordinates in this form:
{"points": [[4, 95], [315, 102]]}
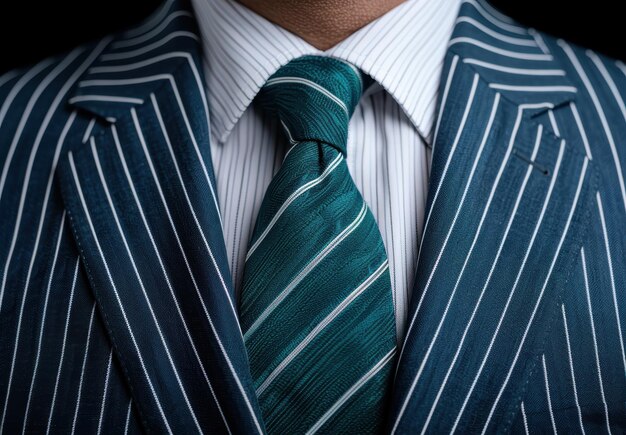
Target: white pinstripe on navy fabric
{"points": [[585, 75], [515, 286], [610, 82], [607, 129], [200, 229], [470, 251], [387, 153], [571, 366], [547, 382], [130, 407], [104, 261], [43, 321], [539, 71], [129, 42], [41, 87], [146, 49], [595, 339], [609, 262], [56, 102], [518, 200], [131, 256], [16, 137], [15, 90], [583, 174], [61, 357], [104, 392], [151, 165], [456, 140], [525, 419], [82, 370]]}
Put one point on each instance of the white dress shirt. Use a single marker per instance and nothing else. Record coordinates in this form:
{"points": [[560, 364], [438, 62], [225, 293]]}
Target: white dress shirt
{"points": [[389, 133]]}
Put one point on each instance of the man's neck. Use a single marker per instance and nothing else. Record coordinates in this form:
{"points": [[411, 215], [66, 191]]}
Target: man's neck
{"points": [[321, 23]]}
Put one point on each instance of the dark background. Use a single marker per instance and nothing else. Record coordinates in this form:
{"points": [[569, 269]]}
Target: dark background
{"points": [[595, 24]]}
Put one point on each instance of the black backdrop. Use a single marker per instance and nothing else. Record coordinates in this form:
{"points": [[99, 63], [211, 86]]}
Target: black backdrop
{"points": [[53, 29]]}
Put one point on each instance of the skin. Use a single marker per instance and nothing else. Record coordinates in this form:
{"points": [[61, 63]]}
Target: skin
{"points": [[321, 23]]}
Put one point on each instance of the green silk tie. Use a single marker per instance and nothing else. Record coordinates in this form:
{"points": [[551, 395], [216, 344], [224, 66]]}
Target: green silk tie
{"points": [[316, 306]]}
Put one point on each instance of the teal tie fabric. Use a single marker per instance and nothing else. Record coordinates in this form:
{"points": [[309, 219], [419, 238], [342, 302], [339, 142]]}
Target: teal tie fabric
{"points": [[316, 305]]}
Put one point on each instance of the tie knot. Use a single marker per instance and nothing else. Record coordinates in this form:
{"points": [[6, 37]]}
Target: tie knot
{"points": [[314, 97]]}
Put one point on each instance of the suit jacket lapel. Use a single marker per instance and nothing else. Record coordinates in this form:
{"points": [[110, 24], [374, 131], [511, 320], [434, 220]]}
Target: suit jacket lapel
{"points": [[506, 210], [140, 194]]}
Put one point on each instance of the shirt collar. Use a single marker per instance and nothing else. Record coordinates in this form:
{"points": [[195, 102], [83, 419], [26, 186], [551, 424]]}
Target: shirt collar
{"points": [[403, 51]]}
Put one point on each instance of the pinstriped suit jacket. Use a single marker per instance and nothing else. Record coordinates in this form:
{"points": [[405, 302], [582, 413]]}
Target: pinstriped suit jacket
{"points": [[117, 312]]}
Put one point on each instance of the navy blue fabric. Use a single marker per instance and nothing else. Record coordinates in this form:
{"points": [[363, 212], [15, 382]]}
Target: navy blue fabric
{"points": [[520, 159], [132, 198], [116, 303]]}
